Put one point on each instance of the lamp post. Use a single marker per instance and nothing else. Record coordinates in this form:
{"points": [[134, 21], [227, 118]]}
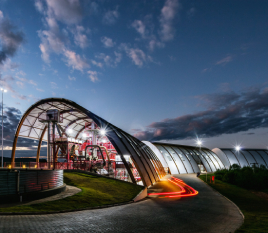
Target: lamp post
{"points": [[3, 90]]}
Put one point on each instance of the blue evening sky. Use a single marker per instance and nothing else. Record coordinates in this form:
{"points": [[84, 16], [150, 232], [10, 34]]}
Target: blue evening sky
{"points": [[140, 64]]}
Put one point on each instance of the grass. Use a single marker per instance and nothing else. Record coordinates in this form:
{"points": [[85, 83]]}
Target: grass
{"points": [[254, 208], [96, 191]]}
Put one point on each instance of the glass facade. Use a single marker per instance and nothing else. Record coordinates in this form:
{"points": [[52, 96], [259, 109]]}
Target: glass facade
{"points": [[180, 159], [243, 157]]}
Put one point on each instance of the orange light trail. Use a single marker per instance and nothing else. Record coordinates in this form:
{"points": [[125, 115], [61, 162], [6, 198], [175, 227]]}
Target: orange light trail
{"points": [[186, 191]]}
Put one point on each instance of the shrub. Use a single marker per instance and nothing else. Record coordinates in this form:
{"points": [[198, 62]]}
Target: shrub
{"points": [[245, 177]]}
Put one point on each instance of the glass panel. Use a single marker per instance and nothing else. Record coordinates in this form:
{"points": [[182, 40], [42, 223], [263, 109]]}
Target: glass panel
{"points": [[257, 157], [212, 166], [215, 162], [241, 158], [204, 161], [184, 160], [249, 157], [231, 157], [264, 155], [190, 156], [217, 158], [177, 160], [168, 159]]}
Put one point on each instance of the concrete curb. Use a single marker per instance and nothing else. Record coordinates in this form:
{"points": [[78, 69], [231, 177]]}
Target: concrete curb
{"points": [[228, 200], [141, 196]]}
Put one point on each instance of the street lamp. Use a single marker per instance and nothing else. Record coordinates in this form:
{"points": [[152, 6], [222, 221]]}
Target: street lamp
{"points": [[3, 90]]}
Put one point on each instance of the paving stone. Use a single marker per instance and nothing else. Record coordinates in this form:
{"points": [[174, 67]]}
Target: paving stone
{"points": [[206, 212]]}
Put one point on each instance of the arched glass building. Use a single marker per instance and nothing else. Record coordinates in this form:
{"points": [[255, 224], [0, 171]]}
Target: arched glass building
{"points": [[242, 157], [76, 136], [185, 159]]}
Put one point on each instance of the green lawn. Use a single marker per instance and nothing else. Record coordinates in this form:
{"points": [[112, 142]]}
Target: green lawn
{"points": [[96, 191], [254, 208]]}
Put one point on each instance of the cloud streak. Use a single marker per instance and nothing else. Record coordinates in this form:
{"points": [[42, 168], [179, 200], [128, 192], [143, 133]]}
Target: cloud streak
{"points": [[10, 39], [226, 113]]}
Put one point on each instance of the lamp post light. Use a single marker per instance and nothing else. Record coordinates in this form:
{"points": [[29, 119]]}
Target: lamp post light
{"points": [[3, 90]]}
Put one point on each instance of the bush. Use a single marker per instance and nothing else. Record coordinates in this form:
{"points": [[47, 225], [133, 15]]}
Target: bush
{"points": [[246, 177]]}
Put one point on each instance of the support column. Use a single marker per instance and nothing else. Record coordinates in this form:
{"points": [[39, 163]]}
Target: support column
{"points": [[48, 143]]}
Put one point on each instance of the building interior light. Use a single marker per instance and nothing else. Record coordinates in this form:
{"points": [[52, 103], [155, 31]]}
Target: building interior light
{"points": [[102, 131], [69, 130], [237, 148]]}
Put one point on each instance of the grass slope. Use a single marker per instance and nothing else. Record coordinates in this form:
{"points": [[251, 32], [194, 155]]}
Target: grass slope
{"points": [[254, 208], [96, 191]]}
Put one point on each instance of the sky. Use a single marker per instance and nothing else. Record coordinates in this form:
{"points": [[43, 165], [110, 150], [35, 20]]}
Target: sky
{"points": [[162, 70]]}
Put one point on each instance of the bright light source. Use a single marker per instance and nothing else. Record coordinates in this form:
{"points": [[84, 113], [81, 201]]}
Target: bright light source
{"points": [[102, 132], [103, 140], [84, 135], [5, 90], [199, 143], [69, 130], [237, 148]]}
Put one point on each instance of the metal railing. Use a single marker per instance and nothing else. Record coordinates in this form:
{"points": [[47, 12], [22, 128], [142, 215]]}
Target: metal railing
{"points": [[110, 169]]}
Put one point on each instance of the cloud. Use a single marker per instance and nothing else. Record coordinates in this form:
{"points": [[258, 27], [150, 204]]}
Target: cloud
{"points": [[110, 17], [66, 11], [108, 60], [10, 39], [71, 78], [93, 75], [75, 61], [107, 42], [80, 38], [137, 56], [191, 12], [11, 119], [227, 113], [53, 85], [140, 27], [225, 60], [56, 40], [168, 13], [41, 90], [7, 83]]}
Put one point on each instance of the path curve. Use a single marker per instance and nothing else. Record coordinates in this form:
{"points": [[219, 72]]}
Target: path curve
{"points": [[206, 212]]}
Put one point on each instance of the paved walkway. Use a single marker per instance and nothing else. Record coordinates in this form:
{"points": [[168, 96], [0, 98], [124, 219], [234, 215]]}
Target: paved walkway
{"points": [[206, 212]]}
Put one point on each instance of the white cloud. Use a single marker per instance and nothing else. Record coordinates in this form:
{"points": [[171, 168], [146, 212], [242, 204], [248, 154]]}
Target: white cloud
{"points": [[168, 14], [225, 60], [39, 90], [108, 60], [107, 42], [140, 27], [71, 78], [93, 75], [53, 85], [95, 63], [110, 17], [20, 84], [75, 61], [80, 38], [66, 11], [1, 15], [39, 5], [137, 56], [118, 58], [7, 83]]}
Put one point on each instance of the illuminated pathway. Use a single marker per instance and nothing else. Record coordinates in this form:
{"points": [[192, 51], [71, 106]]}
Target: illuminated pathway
{"points": [[206, 212]]}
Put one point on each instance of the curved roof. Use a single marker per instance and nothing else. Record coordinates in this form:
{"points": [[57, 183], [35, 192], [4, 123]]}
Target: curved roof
{"points": [[75, 117], [243, 157], [185, 159]]}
